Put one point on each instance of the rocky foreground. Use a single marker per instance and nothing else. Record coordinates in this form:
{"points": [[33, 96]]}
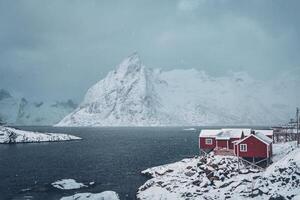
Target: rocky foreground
{"points": [[220, 177], [11, 135]]}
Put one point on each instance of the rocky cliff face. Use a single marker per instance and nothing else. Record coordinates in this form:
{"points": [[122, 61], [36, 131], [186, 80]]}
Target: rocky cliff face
{"points": [[133, 95]]}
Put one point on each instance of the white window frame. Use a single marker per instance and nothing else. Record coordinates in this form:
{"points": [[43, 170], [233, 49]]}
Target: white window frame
{"points": [[210, 141], [243, 147]]}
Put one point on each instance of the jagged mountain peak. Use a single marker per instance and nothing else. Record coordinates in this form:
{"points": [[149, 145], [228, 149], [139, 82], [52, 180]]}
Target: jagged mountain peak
{"points": [[128, 75], [130, 65]]}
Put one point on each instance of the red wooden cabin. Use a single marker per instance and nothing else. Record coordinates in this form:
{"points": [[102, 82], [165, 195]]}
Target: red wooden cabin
{"points": [[224, 141], [254, 146], [207, 139]]}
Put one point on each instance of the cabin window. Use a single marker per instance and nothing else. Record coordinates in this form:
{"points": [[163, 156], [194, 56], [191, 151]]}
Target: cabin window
{"points": [[243, 147], [208, 141]]}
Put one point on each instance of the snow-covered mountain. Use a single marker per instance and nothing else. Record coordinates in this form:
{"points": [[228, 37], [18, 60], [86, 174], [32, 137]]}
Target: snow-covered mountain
{"points": [[19, 111], [133, 95]]}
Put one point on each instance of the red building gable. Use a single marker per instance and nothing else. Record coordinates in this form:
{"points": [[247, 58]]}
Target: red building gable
{"points": [[254, 146]]}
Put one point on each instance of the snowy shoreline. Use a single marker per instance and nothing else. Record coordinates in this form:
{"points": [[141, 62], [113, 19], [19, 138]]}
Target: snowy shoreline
{"points": [[10, 135], [220, 177]]}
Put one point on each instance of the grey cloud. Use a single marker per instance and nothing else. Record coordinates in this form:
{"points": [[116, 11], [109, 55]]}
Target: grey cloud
{"points": [[57, 49]]}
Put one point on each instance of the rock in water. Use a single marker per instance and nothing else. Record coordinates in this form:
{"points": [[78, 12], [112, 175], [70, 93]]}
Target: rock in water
{"points": [[67, 184], [107, 195]]}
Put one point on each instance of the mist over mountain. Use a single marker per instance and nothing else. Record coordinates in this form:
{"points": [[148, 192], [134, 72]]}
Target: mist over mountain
{"points": [[134, 95], [20, 111]]}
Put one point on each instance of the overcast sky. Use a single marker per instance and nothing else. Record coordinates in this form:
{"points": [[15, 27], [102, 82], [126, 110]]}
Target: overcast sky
{"points": [[57, 49]]}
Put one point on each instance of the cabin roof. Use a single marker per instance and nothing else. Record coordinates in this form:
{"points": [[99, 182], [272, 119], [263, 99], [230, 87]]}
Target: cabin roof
{"points": [[225, 133], [263, 138], [209, 132], [235, 132], [265, 132]]}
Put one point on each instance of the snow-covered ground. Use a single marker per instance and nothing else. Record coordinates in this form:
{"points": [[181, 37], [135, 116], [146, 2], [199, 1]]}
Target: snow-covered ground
{"points": [[134, 95], [280, 150], [107, 195], [12, 135], [220, 177]]}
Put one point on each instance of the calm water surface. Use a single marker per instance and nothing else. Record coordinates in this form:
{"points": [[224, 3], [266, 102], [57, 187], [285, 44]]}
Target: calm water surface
{"points": [[111, 157]]}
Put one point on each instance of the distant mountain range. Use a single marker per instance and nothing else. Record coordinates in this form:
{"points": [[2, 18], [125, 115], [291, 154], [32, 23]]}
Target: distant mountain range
{"points": [[19, 111], [133, 95]]}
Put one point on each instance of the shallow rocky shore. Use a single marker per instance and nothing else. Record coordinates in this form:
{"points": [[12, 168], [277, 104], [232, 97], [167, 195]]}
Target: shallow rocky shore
{"points": [[221, 177]]}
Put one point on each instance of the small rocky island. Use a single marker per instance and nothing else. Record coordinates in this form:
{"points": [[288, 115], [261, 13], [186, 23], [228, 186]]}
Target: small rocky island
{"points": [[10, 135]]}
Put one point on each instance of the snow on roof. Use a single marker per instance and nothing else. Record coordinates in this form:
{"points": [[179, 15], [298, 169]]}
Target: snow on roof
{"points": [[265, 132], [223, 136], [209, 132], [225, 133], [259, 136], [235, 132], [263, 137]]}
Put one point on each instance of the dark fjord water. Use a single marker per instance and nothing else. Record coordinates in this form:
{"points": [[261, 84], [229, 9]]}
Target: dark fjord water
{"points": [[111, 157]]}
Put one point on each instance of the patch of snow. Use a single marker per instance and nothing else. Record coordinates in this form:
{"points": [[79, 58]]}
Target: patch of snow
{"points": [[280, 150], [12, 135], [67, 184], [92, 183], [107, 195]]}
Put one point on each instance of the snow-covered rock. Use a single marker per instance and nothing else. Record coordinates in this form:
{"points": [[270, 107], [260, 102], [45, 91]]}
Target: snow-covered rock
{"points": [[20, 111], [68, 184], [12, 135], [282, 179], [133, 95], [107, 195], [220, 177]]}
